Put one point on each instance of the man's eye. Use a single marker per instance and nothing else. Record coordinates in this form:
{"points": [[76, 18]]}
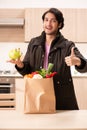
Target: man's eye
{"points": [[54, 21], [50, 20], [46, 20]]}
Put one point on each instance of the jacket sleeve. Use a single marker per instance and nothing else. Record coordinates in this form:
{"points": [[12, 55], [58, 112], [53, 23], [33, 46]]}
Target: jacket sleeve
{"points": [[27, 68], [83, 67]]}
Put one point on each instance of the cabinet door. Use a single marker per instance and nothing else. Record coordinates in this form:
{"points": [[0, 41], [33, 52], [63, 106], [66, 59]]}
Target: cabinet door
{"points": [[81, 25], [69, 30], [75, 24], [9, 31], [33, 22], [80, 85]]}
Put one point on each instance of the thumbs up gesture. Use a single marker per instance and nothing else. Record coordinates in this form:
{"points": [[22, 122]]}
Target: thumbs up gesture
{"points": [[72, 59]]}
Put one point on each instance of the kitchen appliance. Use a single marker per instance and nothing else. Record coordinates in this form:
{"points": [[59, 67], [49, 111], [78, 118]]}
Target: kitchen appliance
{"points": [[7, 90]]}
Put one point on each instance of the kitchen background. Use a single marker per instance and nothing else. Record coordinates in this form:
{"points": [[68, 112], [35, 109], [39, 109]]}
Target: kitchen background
{"points": [[5, 47], [20, 20]]}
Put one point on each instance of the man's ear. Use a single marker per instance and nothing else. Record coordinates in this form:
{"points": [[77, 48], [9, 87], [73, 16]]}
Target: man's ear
{"points": [[59, 26]]}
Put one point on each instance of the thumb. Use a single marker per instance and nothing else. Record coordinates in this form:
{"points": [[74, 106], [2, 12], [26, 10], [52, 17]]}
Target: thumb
{"points": [[72, 51]]}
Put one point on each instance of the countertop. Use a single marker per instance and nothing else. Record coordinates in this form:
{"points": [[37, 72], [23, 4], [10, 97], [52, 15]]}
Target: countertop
{"points": [[75, 73], [80, 75], [62, 120], [17, 75]]}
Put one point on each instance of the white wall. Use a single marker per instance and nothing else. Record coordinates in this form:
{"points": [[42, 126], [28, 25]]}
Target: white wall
{"points": [[43, 3], [4, 53]]}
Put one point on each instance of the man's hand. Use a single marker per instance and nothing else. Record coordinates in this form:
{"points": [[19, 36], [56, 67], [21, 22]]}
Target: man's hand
{"points": [[72, 59], [17, 62]]}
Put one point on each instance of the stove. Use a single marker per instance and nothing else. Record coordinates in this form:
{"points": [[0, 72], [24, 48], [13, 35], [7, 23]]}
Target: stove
{"points": [[9, 73]]}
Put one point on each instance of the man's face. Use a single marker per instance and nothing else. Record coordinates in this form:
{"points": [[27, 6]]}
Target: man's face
{"points": [[50, 24]]}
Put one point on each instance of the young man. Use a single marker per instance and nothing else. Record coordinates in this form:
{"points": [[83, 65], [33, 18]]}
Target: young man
{"points": [[52, 47]]}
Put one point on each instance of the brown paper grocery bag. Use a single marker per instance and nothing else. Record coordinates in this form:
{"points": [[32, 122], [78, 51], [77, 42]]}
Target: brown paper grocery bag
{"points": [[39, 96]]}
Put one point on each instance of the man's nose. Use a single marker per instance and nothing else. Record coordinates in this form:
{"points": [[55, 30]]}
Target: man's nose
{"points": [[49, 22]]}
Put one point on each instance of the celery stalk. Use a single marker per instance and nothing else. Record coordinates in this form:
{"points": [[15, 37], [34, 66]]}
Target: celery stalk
{"points": [[50, 66]]}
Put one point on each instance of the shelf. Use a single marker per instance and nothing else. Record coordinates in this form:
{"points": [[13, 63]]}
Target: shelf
{"points": [[11, 21]]}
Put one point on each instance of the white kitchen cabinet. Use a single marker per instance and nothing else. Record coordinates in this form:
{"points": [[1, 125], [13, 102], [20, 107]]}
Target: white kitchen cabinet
{"points": [[80, 85]]}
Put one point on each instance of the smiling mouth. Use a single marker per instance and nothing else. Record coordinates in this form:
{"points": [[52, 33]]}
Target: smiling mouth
{"points": [[48, 28]]}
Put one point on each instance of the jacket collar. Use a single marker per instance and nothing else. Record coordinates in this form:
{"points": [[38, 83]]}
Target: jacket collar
{"points": [[58, 42]]}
